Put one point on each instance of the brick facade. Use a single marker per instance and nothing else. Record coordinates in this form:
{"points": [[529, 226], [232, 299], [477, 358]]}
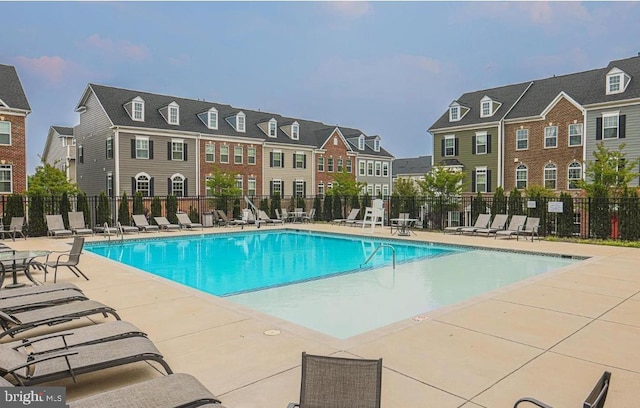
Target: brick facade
{"points": [[334, 147], [245, 170], [16, 154]]}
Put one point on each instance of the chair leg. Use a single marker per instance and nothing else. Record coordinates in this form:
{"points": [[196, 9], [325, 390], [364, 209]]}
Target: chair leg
{"points": [[80, 272]]}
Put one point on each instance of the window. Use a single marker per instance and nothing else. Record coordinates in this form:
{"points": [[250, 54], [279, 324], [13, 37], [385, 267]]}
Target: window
{"points": [[212, 119], [378, 169], [610, 126], [300, 161], [481, 143], [6, 177], [574, 174], [237, 154], [240, 122], [5, 133], [481, 179], [138, 109], [449, 146], [385, 190], [614, 84], [174, 110], [521, 177], [340, 164], [522, 139], [330, 164], [239, 180], [575, 134], [300, 188], [550, 176], [251, 186], [376, 145], [210, 153], [109, 148], [454, 113], [207, 186], [369, 168], [320, 163], [143, 184], [485, 109], [80, 154], [109, 187], [550, 136], [361, 142], [617, 81], [321, 189], [295, 131], [276, 160], [370, 190], [251, 155], [224, 154], [361, 168], [142, 147], [276, 187], [177, 150], [177, 185], [273, 128], [385, 169], [349, 166], [378, 190]]}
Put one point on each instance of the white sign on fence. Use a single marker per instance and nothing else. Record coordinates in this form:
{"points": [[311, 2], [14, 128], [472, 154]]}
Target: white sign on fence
{"points": [[555, 206], [531, 204]]}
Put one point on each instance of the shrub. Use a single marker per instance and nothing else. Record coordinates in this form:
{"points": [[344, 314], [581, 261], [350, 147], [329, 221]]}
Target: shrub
{"points": [[124, 217], [275, 204], [82, 205], [37, 225], [171, 207], [138, 206], [156, 209], [65, 207], [327, 208], [103, 212]]}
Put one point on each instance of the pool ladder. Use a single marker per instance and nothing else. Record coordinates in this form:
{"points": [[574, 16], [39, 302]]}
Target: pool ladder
{"points": [[393, 251]]}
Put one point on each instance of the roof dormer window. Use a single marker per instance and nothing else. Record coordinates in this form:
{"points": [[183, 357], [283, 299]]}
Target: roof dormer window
{"points": [[361, 142], [212, 118], [174, 114], [376, 144], [617, 81], [273, 128], [137, 109], [454, 113], [295, 131], [240, 122]]}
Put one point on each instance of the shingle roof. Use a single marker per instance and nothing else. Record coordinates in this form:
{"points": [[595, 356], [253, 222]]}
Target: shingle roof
{"points": [[11, 91], [412, 165], [63, 130], [311, 133]]}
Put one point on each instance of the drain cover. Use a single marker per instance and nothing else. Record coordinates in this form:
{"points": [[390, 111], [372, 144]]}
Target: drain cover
{"points": [[419, 318], [272, 332]]}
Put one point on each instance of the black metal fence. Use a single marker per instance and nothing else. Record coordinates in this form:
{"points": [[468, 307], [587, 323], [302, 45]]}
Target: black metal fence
{"points": [[564, 217]]}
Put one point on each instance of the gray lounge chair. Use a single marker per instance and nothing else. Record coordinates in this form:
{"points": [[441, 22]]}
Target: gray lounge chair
{"points": [[38, 300], [185, 221], [69, 259], [595, 399], [531, 228], [32, 290], [339, 382], [170, 391], [15, 228], [264, 218], [499, 222], [164, 224], [13, 323], [481, 222], [351, 218], [27, 370], [77, 225], [141, 222], [224, 220], [515, 225], [55, 226]]}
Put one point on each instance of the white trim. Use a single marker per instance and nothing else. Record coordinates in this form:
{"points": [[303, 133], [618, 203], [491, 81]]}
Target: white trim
{"points": [[544, 140], [569, 134]]}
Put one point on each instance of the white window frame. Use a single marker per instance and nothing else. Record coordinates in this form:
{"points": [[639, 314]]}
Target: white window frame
{"points": [[321, 164], [522, 135], [295, 131], [378, 190], [276, 187], [330, 164], [481, 136], [385, 169], [224, 153], [575, 130], [611, 115], [252, 186], [143, 179], [370, 168], [349, 165], [177, 149], [273, 128], [210, 153], [140, 147], [7, 124], [299, 162], [212, 118], [173, 114], [362, 165], [277, 161], [376, 145], [137, 109], [339, 165], [321, 189], [611, 84], [551, 133], [385, 190], [241, 122], [370, 190], [361, 142], [252, 153], [299, 192], [481, 171], [6, 178], [177, 185], [378, 169], [485, 109], [239, 182], [452, 140], [238, 158], [454, 113], [207, 187], [109, 186], [522, 168], [572, 168], [547, 170], [109, 148]]}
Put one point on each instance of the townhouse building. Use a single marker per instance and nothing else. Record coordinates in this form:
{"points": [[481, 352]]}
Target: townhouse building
{"points": [[60, 150], [411, 168], [14, 108], [129, 141], [374, 164]]}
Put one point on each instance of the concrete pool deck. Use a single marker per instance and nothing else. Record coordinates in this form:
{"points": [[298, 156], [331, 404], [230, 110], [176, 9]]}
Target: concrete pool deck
{"points": [[550, 337]]}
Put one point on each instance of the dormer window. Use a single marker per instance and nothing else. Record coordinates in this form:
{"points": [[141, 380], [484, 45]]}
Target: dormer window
{"points": [[361, 142], [212, 119], [240, 122], [273, 126], [454, 113], [376, 144], [137, 109], [485, 109], [295, 131], [617, 81], [174, 114]]}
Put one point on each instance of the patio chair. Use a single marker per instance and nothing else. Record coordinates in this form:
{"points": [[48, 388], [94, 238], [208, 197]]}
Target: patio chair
{"points": [[262, 216], [70, 259], [32, 290], [515, 225], [481, 222], [185, 221], [351, 217], [16, 227], [27, 370], [224, 220], [165, 225], [499, 222], [286, 217], [55, 226], [397, 222], [106, 229], [309, 217], [13, 323], [530, 228], [140, 221], [38, 300], [77, 225], [339, 382], [248, 217], [595, 399], [170, 391]]}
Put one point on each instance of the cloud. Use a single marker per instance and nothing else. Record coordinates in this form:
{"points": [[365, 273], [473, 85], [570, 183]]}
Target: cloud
{"points": [[52, 69], [349, 9], [120, 48], [536, 12]]}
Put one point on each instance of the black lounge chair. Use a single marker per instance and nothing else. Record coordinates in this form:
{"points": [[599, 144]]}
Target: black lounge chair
{"points": [[339, 382], [595, 399]]}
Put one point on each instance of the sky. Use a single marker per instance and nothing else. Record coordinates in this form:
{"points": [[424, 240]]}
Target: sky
{"points": [[386, 68]]}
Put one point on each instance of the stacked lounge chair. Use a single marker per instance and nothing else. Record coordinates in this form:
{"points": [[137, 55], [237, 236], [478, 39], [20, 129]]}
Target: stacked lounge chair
{"points": [[481, 222], [498, 224], [185, 221]]}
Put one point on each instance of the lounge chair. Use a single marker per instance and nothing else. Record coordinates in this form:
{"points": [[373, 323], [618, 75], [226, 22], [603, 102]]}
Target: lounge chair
{"points": [[595, 399], [227, 222], [339, 382], [531, 228], [106, 229], [455, 229], [262, 216], [310, 217], [38, 300], [27, 370], [286, 217], [141, 222], [515, 225], [77, 225], [126, 229], [248, 217], [32, 290], [185, 221], [351, 217], [170, 391], [165, 225], [13, 323], [498, 224], [16, 227], [69, 259], [55, 226], [481, 222]]}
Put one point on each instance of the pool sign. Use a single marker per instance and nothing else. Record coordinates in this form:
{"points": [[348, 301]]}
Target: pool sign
{"points": [[555, 206], [531, 204]]}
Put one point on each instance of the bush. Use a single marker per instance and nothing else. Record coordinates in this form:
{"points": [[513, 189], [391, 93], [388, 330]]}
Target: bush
{"points": [[65, 207], [103, 212], [138, 206], [83, 206], [499, 204], [37, 225], [15, 207], [124, 217], [478, 206], [236, 209], [317, 205], [515, 202], [156, 209], [565, 219], [337, 207], [193, 214], [171, 207], [275, 205]]}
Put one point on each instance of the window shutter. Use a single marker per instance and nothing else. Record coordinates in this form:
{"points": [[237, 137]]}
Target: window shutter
{"points": [[622, 122], [304, 161], [473, 145], [168, 150], [271, 188], [185, 152], [169, 185], [151, 193], [294, 161], [456, 149], [282, 160], [133, 185], [185, 189], [106, 149], [598, 128], [150, 149], [442, 148], [304, 188], [488, 143], [133, 148], [281, 189], [294, 188], [271, 160], [488, 181], [473, 181]]}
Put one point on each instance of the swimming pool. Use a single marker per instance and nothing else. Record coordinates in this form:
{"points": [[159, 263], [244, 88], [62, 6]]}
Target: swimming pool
{"points": [[319, 280]]}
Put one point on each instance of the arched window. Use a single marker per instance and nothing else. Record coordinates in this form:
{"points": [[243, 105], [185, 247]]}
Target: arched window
{"points": [[177, 185], [521, 177], [550, 176], [143, 184], [574, 174]]}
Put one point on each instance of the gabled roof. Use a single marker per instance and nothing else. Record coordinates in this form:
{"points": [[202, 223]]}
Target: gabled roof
{"points": [[597, 90], [412, 165], [63, 130], [352, 136], [57, 132], [12, 94]]}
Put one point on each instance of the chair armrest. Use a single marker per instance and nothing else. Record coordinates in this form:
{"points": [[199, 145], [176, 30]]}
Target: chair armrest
{"points": [[9, 318], [26, 342], [293, 405], [31, 361], [532, 401]]}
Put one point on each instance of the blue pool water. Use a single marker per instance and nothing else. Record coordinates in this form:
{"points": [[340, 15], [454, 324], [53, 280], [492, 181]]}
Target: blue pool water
{"points": [[318, 281]]}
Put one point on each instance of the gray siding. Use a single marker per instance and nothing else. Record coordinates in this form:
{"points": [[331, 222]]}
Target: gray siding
{"points": [[373, 181]]}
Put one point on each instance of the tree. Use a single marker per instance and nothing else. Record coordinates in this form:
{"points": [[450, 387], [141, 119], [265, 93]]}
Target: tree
{"points": [[15, 207], [65, 207], [37, 225], [442, 182], [50, 181], [156, 209], [629, 215], [499, 203], [171, 208], [124, 216], [275, 204], [103, 212], [328, 206], [609, 173], [403, 197], [223, 186], [565, 226], [138, 206], [478, 206], [83, 206], [345, 185], [404, 187], [337, 207], [317, 204], [515, 202]]}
